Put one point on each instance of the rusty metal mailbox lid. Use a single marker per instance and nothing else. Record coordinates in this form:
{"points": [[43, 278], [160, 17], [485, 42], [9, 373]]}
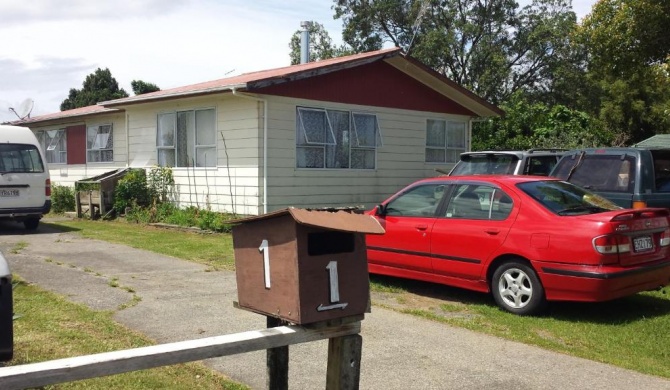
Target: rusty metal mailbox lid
{"points": [[334, 220]]}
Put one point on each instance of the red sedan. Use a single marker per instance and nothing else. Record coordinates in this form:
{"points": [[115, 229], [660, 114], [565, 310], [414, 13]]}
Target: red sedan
{"points": [[527, 240]]}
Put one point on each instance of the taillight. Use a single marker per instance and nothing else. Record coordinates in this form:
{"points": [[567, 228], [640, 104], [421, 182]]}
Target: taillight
{"points": [[611, 244], [665, 238], [47, 187], [639, 204]]}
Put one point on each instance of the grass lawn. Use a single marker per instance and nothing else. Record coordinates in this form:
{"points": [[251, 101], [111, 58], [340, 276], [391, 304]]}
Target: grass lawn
{"points": [[630, 332], [50, 327]]}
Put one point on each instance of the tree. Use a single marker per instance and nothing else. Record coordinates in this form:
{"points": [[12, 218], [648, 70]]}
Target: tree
{"points": [[491, 47], [99, 86], [624, 35], [321, 45], [140, 87], [531, 124], [629, 54]]}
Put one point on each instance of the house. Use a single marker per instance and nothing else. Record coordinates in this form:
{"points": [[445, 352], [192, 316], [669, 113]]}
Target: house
{"points": [[347, 131]]}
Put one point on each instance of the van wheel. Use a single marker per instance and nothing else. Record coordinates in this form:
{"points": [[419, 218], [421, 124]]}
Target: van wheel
{"points": [[31, 223], [517, 289]]}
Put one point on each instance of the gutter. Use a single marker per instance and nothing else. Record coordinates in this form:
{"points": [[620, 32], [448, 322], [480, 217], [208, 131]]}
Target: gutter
{"points": [[148, 98], [265, 143], [127, 140]]}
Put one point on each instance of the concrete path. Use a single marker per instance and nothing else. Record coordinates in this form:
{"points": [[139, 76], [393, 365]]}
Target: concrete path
{"points": [[182, 301]]}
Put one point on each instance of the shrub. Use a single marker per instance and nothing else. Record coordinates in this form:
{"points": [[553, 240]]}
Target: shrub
{"points": [[139, 215], [184, 217], [62, 199], [210, 220], [161, 184], [132, 191]]}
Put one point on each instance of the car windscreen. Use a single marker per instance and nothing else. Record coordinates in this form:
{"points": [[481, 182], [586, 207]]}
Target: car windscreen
{"points": [[598, 172], [486, 164], [563, 198], [20, 158]]}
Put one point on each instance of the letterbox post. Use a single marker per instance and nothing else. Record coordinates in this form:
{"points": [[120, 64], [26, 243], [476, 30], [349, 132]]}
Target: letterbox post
{"points": [[277, 361], [309, 268], [344, 362]]}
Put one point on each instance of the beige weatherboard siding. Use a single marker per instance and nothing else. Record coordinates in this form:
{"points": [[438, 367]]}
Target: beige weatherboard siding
{"points": [[231, 186], [68, 174], [400, 161]]}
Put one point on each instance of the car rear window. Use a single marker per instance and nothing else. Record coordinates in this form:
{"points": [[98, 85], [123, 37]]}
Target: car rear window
{"points": [[484, 164], [598, 172], [16, 158], [566, 199]]}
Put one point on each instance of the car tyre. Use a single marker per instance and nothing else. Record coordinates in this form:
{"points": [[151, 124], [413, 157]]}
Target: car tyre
{"points": [[31, 223], [517, 289]]}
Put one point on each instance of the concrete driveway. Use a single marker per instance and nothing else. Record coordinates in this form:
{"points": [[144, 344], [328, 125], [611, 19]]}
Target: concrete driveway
{"points": [[182, 301]]}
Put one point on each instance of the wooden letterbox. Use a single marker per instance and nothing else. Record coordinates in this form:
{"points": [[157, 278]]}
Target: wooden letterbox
{"points": [[303, 266]]}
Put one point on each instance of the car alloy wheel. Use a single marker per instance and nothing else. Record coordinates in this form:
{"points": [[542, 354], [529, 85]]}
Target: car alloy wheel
{"points": [[517, 289]]}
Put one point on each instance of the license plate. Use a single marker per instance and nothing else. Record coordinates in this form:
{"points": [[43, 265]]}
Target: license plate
{"points": [[8, 193], [642, 244]]}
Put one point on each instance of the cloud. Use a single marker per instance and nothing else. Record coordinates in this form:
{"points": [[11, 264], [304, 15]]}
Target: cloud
{"points": [[21, 12], [50, 47], [47, 81]]}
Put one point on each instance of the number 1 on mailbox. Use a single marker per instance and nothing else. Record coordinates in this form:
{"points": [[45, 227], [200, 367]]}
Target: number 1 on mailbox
{"points": [[294, 274]]}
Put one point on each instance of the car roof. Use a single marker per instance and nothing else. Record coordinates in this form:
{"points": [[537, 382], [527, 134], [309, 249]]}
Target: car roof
{"points": [[518, 153], [506, 179], [614, 150]]}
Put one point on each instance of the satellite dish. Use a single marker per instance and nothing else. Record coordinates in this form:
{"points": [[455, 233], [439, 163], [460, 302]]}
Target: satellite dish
{"points": [[24, 109]]}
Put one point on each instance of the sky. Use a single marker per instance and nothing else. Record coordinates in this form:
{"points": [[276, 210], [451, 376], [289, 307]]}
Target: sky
{"points": [[50, 46]]}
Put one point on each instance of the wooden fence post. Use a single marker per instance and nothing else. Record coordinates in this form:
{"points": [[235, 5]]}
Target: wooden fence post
{"points": [[277, 361], [344, 362]]}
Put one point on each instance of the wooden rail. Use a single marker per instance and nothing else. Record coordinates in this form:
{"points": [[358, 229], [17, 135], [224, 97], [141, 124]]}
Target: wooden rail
{"points": [[343, 349]]}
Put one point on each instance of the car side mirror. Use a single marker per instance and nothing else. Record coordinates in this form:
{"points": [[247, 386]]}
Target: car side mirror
{"points": [[380, 210]]}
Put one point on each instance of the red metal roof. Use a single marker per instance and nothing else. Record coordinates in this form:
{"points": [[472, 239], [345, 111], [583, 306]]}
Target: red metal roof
{"points": [[258, 79], [262, 80], [74, 113]]}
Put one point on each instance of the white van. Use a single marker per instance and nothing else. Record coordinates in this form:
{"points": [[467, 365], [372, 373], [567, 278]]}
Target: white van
{"points": [[25, 186]]}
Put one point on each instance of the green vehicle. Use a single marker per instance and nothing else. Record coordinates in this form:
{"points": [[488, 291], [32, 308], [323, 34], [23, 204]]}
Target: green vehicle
{"points": [[630, 177]]}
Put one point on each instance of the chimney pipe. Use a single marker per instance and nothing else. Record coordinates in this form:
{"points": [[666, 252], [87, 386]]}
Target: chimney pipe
{"points": [[304, 42]]}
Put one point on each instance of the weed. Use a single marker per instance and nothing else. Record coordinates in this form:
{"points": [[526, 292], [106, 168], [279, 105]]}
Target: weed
{"points": [[18, 247]]}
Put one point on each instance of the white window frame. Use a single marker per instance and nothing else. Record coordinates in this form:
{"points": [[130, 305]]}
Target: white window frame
{"points": [[446, 147], [49, 141], [192, 136], [96, 146], [351, 136]]}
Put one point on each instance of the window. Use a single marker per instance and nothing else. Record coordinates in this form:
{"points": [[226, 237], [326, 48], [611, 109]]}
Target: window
{"points": [[99, 143], [54, 145], [336, 139], [420, 201], [470, 201], [445, 141], [606, 172], [541, 165], [187, 138], [20, 158]]}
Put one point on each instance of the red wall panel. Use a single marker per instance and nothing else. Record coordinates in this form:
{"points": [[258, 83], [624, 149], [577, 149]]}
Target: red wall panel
{"points": [[375, 84], [76, 144]]}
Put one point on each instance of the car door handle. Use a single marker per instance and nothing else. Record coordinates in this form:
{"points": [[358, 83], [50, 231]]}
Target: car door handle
{"points": [[492, 232], [421, 227]]}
